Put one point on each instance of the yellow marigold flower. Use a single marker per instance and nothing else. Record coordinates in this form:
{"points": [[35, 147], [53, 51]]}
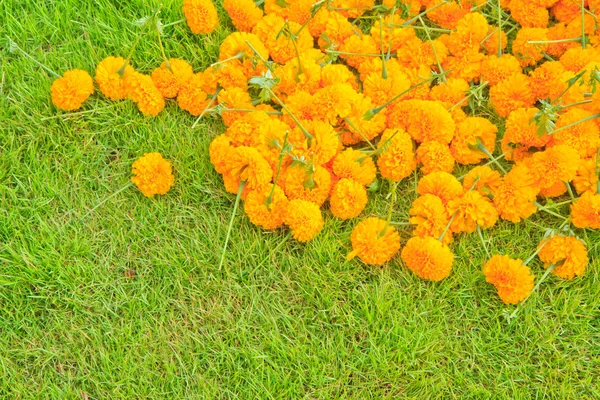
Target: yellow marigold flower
{"points": [[234, 98], [298, 11], [348, 199], [425, 121], [296, 77], [357, 128], [109, 81], [466, 66], [483, 179], [267, 216], [352, 8], [393, 37], [304, 219], [337, 73], [468, 134], [440, 184], [334, 102], [235, 48], [585, 212], [577, 58], [374, 241], [544, 77], [447, 15], [381, 90], [355, 165], [554, 165], [355, 46], [527, 53], [567, 253], [281, 46], [397, 158], [318, 22], [471, 31], [243, 13], [583, 137], [515, 195], [245, 164], [434, 157], [219, 151], [491, 43], [323, 146], [269, 137], [152, 174], [566, 10], [142, 91], [72, 89], [453, 91], [557, 32], [428, 258], [168, 82], [511, 94], [496, 69], [472, 210], [201, 15], [244, 131], [416, 53], [192, 97], [512, 279], [300, 105], [300, 184], [431, 218], [529, 14], [586, 179], [337, 29]]}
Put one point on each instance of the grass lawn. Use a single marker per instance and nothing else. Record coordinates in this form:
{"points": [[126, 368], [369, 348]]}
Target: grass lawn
{"points": [[127, 301]]}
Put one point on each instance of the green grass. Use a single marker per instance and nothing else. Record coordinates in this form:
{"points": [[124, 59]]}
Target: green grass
{"points": [[128, 302]]}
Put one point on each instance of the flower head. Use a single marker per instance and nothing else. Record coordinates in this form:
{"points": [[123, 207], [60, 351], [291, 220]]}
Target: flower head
{"points": [[435, 157], [348, 199], [585, 212], [496, 69], [440, 184], [374, 241], [470, 211], [397, 158], [567, 253], [72, 89], [109, 81], [469, 134], [245, 164], [515, 195], [512, 279], [586, 179], [243, 13], [428, 258], [483, 179], [267, 215], [583, 137], [304, 219], [302, 183], [169, 81], [152, 174], [431, 218], [201, 15], [511, 94], [142, 91], [219, 151], [192, 98], [527, 53], [554, 165], [355, 165]]}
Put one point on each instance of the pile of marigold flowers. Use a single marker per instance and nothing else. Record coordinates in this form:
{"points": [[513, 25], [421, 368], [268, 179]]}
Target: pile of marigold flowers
{"points": [[324, 100]]}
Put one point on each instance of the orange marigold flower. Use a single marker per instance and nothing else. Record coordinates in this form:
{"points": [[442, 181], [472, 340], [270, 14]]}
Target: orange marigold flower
{"points": [[374, 241], [544, 77], [355, 46], [434, 157], [300, 183], [192, 97], [496, 69], [397, 158], [72, 89], [469, 134], [567, 253], [554, 165], [447, 15], [142, 91], [219, 151], [528, 14], [296, 77], [201, 15], [428, 258], [483, 179], [431, 218], [244, 14], [304, 219], [516, 194], [529, 53], [566, 10], [348, 199], [440, 184], [585, 212], [245, 164], [381, 89], [424, 120], [393, 36], [337, 30], [244, 131], [512, 279], [583, 137], [298, 11], [586, 179], [352, 8], [168, 82], [512, 93], [466, 66], [453, 91], [472, 210], [357, 128], [282, 47], [231, 99], [267, 215], [522, 132], [235, 47], [323, 145], [558, 32], [109, 81], [334, 102], [577, 58], [152, 174], [491, 43], [355, 165], [337, 73], [470, 32]]}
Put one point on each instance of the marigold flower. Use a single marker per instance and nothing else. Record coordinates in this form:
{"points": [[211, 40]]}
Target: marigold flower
{"points": [[557, 32], [244, 131], [577, 58], [337, 30], [397, 158], [168, 82], [511, 94], [453, 91], [566, 10], [586, 179], [516, 194], [337, 73], [447, 15], [434, 157], [348, 199], [567, 253], [483, 179], [440, 184], [392, 37], [470, 32], [304, 219], [323, 146], [296, 75], [109, 81], [472, 210], [142, 91], [428, 258], [267, 216], [352, 8], [282, 47], [521, 133], [201, 15], [299, 183], [544, 77], [424, 121], [235, 48], [152, 174], [381, 90], [431, 218], [469, 134], [585, 212], [355, 46], [245, 164], [374, 241], [72, 89], [192, 97], [528, 14], [496, 69], [527, 53], [244, 14], [333, 102], [583, 137], [357, 128], [512, 279], [219, 151], [298, 11], [491, 43], [232, 98], [554, 165], [355, 165]]}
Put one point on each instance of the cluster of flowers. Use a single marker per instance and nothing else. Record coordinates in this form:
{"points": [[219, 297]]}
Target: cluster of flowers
{"points": [[316, 109]]}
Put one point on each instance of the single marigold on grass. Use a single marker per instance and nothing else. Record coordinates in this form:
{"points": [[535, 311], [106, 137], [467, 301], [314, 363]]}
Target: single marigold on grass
{"points": [[397, 158], [515, 195], [109, 81], [472, 210], [267, 215], [169, 82], [152, 174], [201, 15], [72, 89], [428, 258], [585, 212], [440, 184], [374, 241], [192, 97], [482, 179], [435, 157], [512, 279], [567, 253], [304, 219], [244, 14], [348, 199], [355, 165], [431, 218], [470, 133], [144, 93]]}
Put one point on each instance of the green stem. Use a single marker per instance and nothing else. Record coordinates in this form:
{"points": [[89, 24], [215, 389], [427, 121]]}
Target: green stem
{"points": [[371, 113], [583, 24], [437, 60], [499, 28], [162, 51], [575, 104], [296, 120], [535, 288], [282, 154], [174, 23], [121, 70], [570, 190], [448, 226], [483, 242], [542, 208], [360, 133], [482, 147], [236, 57], [235, 207], [206, 108], [393, 188], [574, 123], [11, 43]]}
